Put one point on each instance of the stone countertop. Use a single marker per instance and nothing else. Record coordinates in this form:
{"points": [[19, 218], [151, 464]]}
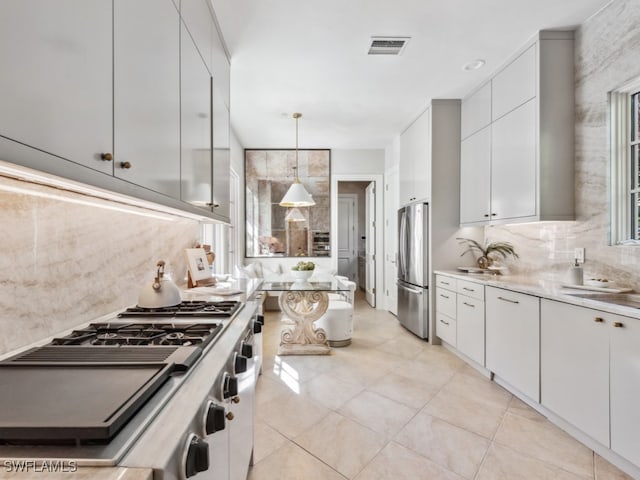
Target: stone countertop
{"points": [[82, 473], [550, 288]]}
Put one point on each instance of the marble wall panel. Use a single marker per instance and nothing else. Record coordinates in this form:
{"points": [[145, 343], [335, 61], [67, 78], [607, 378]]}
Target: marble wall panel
{"points": [[280, 163], [606, 56], [319, 164], [67, 258]]}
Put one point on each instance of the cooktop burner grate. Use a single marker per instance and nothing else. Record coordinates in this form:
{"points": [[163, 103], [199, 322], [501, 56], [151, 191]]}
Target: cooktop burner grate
{"points": [[136, 334], [193, 308]]}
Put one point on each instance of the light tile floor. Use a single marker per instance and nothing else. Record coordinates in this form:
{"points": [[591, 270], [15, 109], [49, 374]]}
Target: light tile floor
{"points": [[392, 407]]}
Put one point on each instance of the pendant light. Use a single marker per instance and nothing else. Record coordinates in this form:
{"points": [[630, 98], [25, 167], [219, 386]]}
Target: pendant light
{"points": [[295, 215], [297, 195]]}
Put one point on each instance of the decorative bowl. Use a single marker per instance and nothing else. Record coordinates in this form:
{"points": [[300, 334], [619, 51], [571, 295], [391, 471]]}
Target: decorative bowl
{"points": [[301, 275]]}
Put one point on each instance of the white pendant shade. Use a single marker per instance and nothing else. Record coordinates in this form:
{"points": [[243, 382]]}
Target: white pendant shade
{"points": [[295, 215], [297, 196]]}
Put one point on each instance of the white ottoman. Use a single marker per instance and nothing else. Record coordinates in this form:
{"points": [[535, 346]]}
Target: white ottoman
{"points": [[337, 322]]}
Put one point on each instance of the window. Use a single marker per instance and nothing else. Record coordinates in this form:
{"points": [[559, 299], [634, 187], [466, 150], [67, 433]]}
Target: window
{"points": [[624, 122]]}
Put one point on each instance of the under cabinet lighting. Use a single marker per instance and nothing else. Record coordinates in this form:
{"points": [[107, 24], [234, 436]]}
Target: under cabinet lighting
{"points": [[95, 196]]}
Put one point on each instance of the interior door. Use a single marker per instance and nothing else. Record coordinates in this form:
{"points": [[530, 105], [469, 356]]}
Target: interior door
{"points": [[370, 244], [347, 231]]}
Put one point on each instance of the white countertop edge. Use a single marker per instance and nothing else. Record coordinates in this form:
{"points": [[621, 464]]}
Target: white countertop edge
{"points": [[542, 288]]}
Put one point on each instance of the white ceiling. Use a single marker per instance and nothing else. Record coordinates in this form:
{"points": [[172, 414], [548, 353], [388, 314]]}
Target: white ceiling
{"points": [[309, 56]]}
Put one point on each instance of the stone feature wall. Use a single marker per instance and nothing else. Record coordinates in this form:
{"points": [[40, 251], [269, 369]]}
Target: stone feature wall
{"points": [[606, 58], [68, 258]]}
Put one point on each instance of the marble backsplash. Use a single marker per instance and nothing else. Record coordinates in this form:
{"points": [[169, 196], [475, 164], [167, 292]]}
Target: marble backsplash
{"points": [[68, 258], [606, 55]]}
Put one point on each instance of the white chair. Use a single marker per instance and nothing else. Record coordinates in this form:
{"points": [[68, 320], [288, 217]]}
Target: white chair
{"points": [[337, 321]]}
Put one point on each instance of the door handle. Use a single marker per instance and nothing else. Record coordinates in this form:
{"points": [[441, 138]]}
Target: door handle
{"points": [[412, 290], [508, 300]]}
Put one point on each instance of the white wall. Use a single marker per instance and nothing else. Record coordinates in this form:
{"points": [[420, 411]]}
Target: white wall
{"points": [[392, 154], [353, 162]]}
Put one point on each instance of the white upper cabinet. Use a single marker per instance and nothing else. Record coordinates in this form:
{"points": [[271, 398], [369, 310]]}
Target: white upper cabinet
{"points": [[515, 84], [531, 140], [415, 160], [221, 70], [56, 79], [195, 126], [476, 111], [513, 164], [147, 94], [475, 177], [111, 85], [197, 18], [221, 155]]}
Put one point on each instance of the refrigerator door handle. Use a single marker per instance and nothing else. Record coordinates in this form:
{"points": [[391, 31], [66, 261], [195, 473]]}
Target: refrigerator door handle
{"points": [[412, 290], [403, 244]]}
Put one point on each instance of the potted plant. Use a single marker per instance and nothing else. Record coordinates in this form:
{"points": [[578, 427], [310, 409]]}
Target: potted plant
{"points": [[303, 270], [485, 260]]}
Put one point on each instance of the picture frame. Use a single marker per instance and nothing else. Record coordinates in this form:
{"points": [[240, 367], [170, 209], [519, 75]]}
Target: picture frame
{"points": [[198, 264]]}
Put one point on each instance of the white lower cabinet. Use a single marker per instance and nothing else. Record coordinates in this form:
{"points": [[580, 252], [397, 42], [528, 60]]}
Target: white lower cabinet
{"points": [[513, 339], [460, 316], [625, 388], [446, 314], [446, 329], [470, 322], [579, 363], [574, 354]]}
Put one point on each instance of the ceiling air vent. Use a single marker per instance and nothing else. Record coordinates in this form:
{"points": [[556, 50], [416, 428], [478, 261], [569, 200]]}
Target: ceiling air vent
{"points": [[387, 45]]}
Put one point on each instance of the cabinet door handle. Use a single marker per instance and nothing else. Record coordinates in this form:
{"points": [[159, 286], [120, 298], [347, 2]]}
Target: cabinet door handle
{"points": [[598, 320], [618, 324], [486, 215], [125, 165], [469, 289], [107, 157], [468, 305], [444, 283], [508, 300], [494, 214], [444, 296], [442, 321]]}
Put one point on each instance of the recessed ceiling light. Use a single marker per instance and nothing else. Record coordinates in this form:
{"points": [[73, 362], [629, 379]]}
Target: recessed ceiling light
{"points": [[473, 65]]}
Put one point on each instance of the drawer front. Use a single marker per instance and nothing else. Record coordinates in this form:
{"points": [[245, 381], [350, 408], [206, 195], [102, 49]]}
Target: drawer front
{"points": [[446, 328], [471, 289], [446, 282], [446, 302]]}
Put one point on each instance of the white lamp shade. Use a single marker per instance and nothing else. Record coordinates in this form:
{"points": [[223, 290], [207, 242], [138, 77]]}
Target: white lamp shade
{"points": [[295, 215], [297, 196]]}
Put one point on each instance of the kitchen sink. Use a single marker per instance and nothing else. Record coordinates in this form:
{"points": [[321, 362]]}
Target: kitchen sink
{"points": [[625, 299]]}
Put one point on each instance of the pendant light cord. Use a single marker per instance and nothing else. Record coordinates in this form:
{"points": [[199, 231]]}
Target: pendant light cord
{"points": [[296, 116]]}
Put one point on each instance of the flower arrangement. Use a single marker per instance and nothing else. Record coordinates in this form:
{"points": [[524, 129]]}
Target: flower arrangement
{"points": [[486, 259]]}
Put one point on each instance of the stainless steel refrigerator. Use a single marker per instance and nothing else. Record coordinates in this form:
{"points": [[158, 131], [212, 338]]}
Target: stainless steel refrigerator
{"points": [[413, 268]]}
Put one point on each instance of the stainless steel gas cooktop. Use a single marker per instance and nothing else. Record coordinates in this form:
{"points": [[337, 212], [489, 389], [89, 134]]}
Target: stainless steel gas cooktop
{"points": [[84, 387]]}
